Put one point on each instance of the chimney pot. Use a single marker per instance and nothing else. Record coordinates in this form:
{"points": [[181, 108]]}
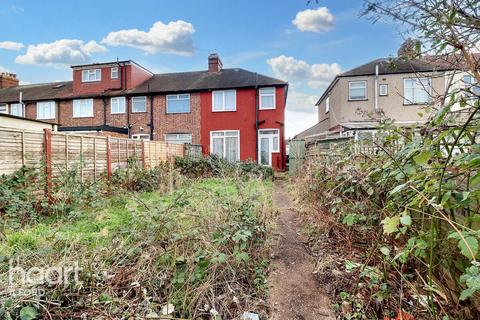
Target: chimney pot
{"points": [[8, 80], [214, 63]]}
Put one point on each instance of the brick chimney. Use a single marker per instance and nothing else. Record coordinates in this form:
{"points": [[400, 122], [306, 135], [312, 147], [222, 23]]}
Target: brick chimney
{"points": [[8, 80], [214, 63]]}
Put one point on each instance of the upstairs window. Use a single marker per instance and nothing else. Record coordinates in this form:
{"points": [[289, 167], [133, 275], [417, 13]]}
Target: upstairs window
{"points": [[224, 100], [178, 138], [327, 105], [16, 109], [139, 104], [117, 105], [91, 75], [3, 108], [114, 73], [357, 90], [416, 91], [267, 98], [82, 108], [46, 110], [178, 103]]}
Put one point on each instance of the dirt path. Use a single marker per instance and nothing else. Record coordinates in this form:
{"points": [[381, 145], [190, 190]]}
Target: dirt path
{"points": [[294, 292]]}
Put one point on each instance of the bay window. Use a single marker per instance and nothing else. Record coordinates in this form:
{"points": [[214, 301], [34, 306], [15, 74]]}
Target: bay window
{"points": [[82, 108], [224, 100], [416, 91], [225, 144]]}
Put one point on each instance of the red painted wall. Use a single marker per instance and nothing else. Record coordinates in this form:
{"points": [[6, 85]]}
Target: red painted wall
{"points": [[243, 119]]}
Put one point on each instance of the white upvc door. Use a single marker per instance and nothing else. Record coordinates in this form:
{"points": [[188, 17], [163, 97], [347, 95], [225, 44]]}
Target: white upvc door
{"points": [[268, 143]]}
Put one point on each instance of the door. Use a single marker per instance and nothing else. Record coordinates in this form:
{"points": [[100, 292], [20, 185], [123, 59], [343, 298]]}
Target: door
{"points": [[268, 143], [296, 155]]}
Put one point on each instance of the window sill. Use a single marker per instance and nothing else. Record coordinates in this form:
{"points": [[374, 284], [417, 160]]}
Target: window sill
{"points": [[266, 109], [224, 110], [92, 81], [356, 100], [417, 104], [173, 113], [46, 118], [86, 117], [139, 111], [117, 113]]}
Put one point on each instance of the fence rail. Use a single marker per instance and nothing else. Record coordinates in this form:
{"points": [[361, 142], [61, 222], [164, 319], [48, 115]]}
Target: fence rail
{"points": [[93, 156]]}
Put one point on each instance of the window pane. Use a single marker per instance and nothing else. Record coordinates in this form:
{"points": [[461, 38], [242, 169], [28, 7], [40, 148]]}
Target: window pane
{"points": [[267, 90], [230, 100], [16, 109], [408, 95], [46, 110], [357, 93], [218, 100], [275, 143], [139, 104], [267, 102], [231, 148], [178, 138], [218, 134], [83, 108], [217, 146], [178, 104], [3, 108], [118, 104]]}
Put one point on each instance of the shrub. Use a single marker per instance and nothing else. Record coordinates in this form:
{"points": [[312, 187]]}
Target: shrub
{"points": [[208, 166]]}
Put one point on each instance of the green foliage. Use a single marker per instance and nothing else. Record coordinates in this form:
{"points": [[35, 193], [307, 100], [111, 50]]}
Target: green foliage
{"points": [[212, 165]]}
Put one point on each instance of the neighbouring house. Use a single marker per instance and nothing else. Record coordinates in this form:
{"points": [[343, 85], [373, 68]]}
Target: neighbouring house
{"points": [[403, 90], [234, 113]]}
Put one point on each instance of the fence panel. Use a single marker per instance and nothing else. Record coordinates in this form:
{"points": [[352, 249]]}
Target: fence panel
{"points": [[90, 155]]}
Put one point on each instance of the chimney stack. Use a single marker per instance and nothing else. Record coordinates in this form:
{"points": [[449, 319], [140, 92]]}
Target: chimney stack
{"points": [[214, 63], [8, 80]]}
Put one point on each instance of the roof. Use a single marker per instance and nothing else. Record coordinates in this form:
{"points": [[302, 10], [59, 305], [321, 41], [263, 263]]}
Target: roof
{"points": [[205, 80], [26, 119], [41, 91], [158, 83], [313, 130], [401, 65]]}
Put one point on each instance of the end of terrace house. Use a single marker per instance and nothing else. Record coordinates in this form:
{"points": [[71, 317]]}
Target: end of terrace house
{"points": [[234, 113]]}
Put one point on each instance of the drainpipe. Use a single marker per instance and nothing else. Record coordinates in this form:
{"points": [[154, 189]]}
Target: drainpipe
{"points": [[256, 116], [104, 110], [376, 88], [151, 113], [128, 114]]}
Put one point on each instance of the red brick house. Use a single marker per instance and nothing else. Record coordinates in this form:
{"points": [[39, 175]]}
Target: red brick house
{"points": [[234, 113]]}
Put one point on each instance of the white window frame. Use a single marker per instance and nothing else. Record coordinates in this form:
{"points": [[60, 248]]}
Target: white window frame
{"points": [[327, 105], [418, 85], [349, 90], [144, 98], [177, 97], [53, 112], [177, 134], [260, 107], [223, 151], [17, 105], [384, 92], [114, 70], [3, 108], [97, 73], [140, 136], [117, 100], [472, 85], [81, 103], [223, 106]]}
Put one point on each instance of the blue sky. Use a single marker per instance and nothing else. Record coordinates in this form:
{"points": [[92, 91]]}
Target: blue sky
{"points": [[303, 44]]}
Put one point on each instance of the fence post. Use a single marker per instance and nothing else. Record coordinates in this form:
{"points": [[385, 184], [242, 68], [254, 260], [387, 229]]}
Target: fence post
{"points": [[47, 139], [143, 154], [109, 159]]}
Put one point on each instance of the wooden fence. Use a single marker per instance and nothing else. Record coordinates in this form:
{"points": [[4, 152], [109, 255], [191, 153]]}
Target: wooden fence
{"points": [[92, 156]]}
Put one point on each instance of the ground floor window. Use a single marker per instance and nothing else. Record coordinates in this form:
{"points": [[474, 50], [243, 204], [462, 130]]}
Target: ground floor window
{"points": [[141, 136], [225, 144], [178, 138]]}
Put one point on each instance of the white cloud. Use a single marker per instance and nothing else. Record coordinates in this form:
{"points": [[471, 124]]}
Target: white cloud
{"points": [[301, 112], [60, 53], [10, 45], [315, 75], [174, 37], [317, 20]]}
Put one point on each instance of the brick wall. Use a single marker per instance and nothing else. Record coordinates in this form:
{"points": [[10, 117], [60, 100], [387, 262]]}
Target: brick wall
{"points": [[139, 121], [67, 119], [177, 123]]}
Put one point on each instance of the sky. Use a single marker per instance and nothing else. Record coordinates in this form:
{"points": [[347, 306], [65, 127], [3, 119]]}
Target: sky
{"points": [[303, 43]]}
